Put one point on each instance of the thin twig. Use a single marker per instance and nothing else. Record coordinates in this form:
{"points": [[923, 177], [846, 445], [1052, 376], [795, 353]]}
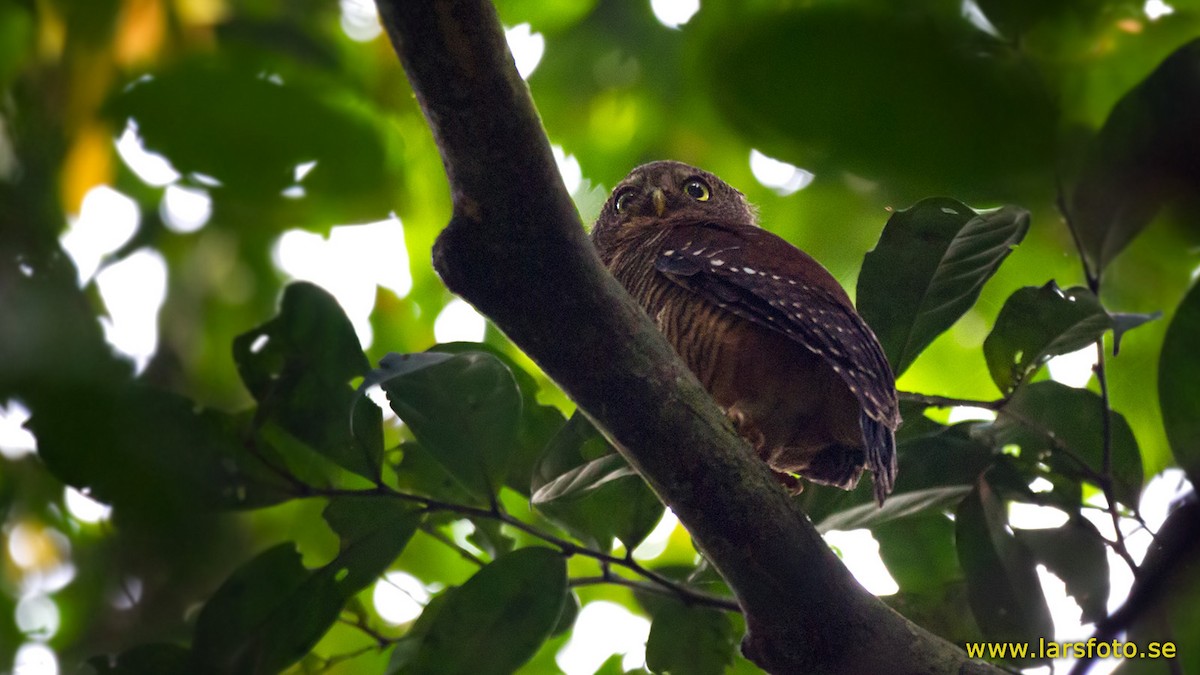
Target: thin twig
{"points": [[1064, 209], [569, 548], [691, 599], [380, 639], [1106, 476], [1106, 483], [1175, 546], [332, 661], [948, 402], [1100, 478], [684, 592]]}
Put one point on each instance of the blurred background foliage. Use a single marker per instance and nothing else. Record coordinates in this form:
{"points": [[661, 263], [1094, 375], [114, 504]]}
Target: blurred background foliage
{"points": [[219, 149]]}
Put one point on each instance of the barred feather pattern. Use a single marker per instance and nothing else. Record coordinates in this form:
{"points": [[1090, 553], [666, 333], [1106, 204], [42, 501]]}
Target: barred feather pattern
{"points": [[716, 262], [767, 330]]}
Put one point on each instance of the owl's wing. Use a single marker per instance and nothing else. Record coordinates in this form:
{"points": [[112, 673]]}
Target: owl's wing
{"points": [[764, 279]]}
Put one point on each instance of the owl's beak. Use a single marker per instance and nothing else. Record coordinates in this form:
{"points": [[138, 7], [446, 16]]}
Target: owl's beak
{"points": [[660, 201]]}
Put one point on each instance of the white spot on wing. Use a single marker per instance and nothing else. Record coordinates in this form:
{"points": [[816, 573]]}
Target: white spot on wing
{"points": [[717, 263]]}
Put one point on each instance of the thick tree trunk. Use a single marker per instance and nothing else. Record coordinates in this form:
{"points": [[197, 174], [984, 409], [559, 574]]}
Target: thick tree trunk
{"points": [[516, 250]]}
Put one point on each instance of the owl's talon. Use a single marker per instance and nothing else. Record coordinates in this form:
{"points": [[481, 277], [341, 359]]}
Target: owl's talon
{"points": [[790, 483], [746, 429]]}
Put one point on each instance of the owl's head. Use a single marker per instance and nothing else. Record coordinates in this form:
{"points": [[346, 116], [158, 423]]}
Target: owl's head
{"points": [[656, 195]]}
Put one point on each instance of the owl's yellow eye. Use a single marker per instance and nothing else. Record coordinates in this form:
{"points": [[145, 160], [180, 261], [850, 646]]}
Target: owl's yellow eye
{"points": [[622, 201], [697, 189]]}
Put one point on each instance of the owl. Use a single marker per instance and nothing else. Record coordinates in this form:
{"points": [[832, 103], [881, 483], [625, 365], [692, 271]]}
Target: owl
{"points": [[764, 327]]}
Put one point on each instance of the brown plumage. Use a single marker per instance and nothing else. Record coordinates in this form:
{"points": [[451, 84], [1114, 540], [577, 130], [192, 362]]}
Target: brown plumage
{"points": [[767, 330]]}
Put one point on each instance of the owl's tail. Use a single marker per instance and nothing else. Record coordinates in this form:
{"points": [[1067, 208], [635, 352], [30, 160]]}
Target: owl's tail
{"points": [[881, 454]]}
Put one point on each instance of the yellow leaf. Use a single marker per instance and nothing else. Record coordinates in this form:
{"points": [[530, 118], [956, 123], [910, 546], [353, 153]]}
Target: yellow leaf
{"points": [[88, 164], [141, 31]]}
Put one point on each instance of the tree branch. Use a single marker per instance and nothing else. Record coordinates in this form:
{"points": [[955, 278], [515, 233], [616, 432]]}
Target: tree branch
{"points": [[935, 401], [1174, 553], [516, 250]]}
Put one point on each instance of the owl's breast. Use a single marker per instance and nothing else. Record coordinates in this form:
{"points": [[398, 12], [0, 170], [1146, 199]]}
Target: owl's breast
{"points": [[791, 394]]}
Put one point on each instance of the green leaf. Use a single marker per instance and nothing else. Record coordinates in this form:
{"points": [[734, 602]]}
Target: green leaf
{"points": [[1142, 159], [915, 100], [902, 505], [1065, 426], [570, 612], [494, 622], [271, 45], [1015, 18], [151, 659], [299, 366], [490, 538], [310, 332], [192, 111], [272, 611], [17, 31], [538, 424], [463, 409], [52, 345], [936, 470], [235, 624], [1011, 474], [421, 473], [408, 647], [919, 552], [152, 450], [358, 518], [584, 478], [1178, 395], [1124, 322], [1038, 323], [928, 269], [1002, 583], [588, 488], [690, 641], [1076, 553]]}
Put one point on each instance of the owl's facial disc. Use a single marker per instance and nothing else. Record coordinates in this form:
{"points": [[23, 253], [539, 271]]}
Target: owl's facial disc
{"points": [[642, 198]]}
